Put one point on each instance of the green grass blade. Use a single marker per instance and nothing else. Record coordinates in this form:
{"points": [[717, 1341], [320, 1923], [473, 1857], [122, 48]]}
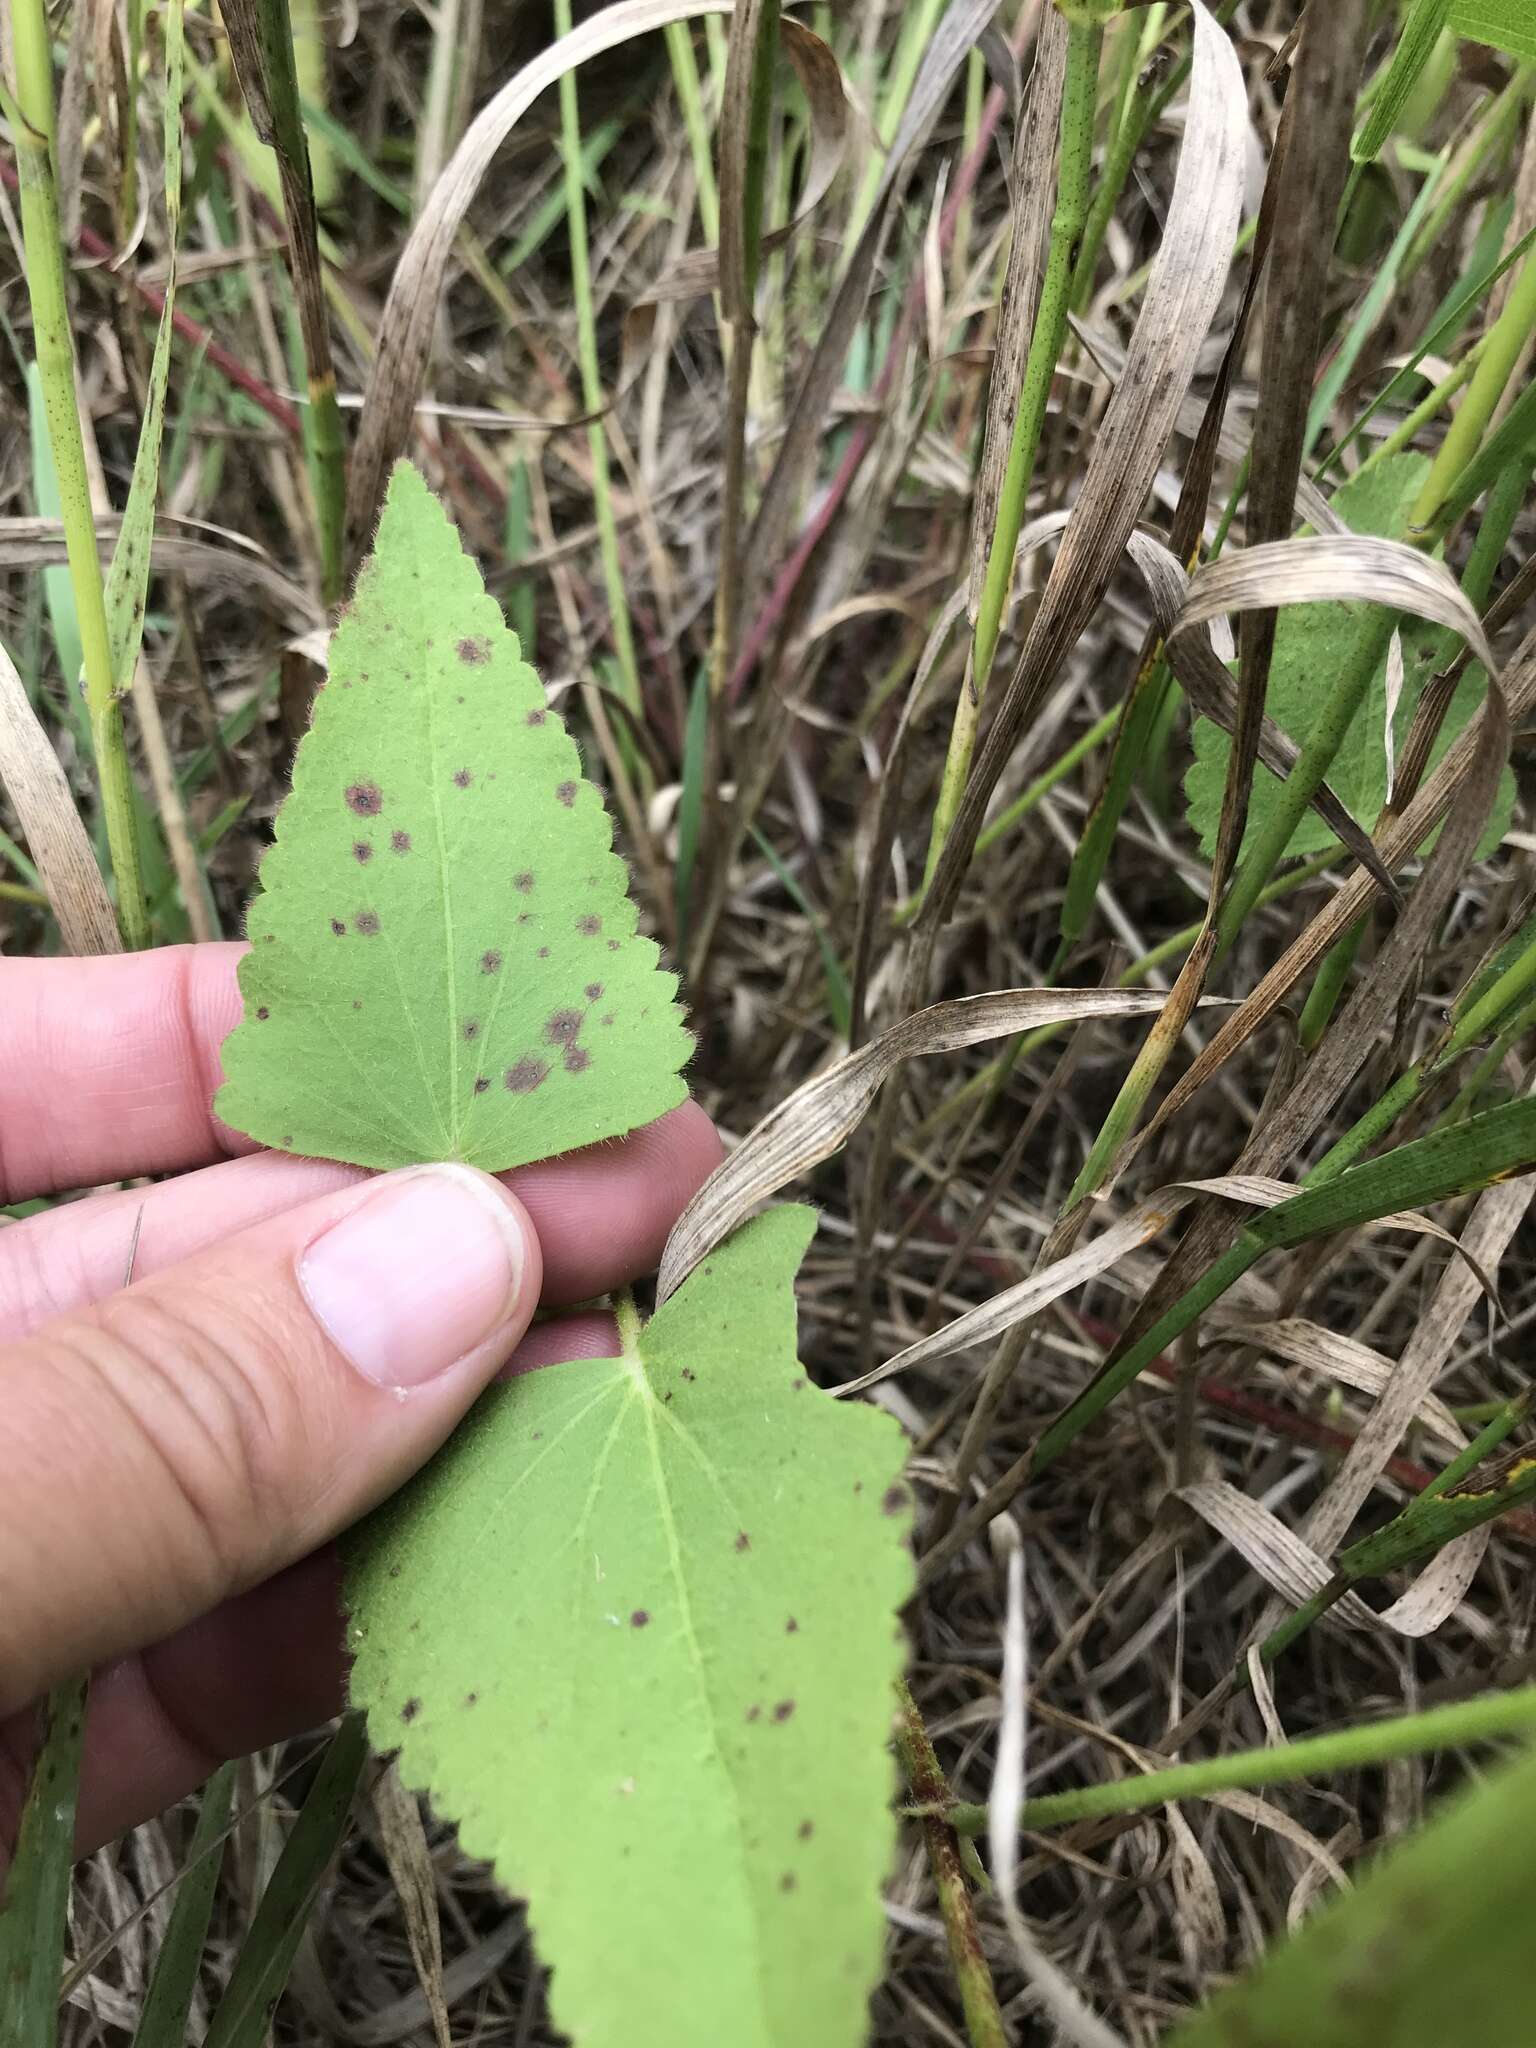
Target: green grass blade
{"points": [[266, 1956], [168, 2002], [35, 1901]]}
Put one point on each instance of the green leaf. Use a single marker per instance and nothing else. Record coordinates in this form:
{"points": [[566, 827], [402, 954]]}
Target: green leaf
{"points": [[1433, 1946], [444, 962], [1507, 24], [1311, 640], [635, 1630], [165, 2017]]}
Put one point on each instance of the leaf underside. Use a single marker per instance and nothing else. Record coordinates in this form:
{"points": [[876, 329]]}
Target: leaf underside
{"points": [[635, 1628], [1311, 643], [444, 961]]}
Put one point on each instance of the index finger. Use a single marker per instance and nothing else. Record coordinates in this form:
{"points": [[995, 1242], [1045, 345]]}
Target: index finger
{"points": [[108, 1067]]}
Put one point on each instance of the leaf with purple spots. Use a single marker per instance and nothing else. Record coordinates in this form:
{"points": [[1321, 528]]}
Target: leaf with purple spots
{"points": [[441, 860], [670, 1588]]}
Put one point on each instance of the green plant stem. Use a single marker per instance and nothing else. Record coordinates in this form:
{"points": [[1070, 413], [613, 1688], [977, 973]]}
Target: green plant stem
{"points": [[1059, 770], [592, 398], [1377, 1742], [1133, 115], [1493, 129], [31, 118], [1433, 402], [930, 1790], [1078, 95], [1501, 351], [690, 96]]}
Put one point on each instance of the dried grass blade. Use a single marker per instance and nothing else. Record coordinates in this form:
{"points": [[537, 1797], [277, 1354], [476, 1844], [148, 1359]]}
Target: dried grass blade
{"points": [[406, 327], [1345, 566], [1182, 294], [59, 843], [1286, 1564], [812, 1123], [415, 1880], [1339, 1357]]}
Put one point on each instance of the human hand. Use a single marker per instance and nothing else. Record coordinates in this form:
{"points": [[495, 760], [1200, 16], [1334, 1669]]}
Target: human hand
{"points": [[298, 1337]]}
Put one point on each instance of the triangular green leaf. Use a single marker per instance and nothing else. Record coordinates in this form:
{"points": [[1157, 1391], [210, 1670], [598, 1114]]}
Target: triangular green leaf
{"points": [[444, 962], [1311, 642], [635, 1630]]}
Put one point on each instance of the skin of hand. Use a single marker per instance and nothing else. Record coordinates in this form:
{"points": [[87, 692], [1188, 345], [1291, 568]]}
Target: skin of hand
{"points": [[178, 1453]]}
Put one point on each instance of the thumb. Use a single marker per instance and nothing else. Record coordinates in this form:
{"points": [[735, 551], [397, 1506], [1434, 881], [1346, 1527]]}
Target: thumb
{"points": [[195, 1433]]}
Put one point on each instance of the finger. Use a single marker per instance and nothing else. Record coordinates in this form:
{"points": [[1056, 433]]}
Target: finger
{"points": [[601, 1214], [262, 1667], [108, 1066], [196, 1433]]}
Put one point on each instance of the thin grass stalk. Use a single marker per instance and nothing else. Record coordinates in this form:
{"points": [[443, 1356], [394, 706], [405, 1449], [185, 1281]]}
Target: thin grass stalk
{"points": [[31, 117], [1132, 123], [967, 1958], [1079, 92], [1457, 1726], [592, 397], [690, 98]]}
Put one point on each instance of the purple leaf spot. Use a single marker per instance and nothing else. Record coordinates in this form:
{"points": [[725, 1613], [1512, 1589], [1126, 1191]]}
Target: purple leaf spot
{"points": [[639, 1619], [577, 1059], [462, 778], [562, 1027], [471, 1028], [362, 850], [481, 1084], [400, 841], [263, 1013], [783, 1710], [743, 1540], [366, 798], [490, 962], [536, 718], [589, 926], [338, 928], [366, 923], [893, 1500], [523, 882], [527, 1075], [476, 651], [593, 990], [566, 791]]}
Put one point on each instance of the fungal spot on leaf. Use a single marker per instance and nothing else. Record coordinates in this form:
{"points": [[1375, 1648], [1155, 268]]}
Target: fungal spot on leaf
{"points": [[543, 952], [471, 1027], [523, 882], [806, 1829], [471, 1699], [893, 1500], [577, 1059], [589, 926], [791, 1627], [689, 1373], [566, 792], [357, 1002], [743, 1540], [639, 1619], [410, 1710], [366, 922], [536, 718], [481, 1084], [400, 841], [787, 1881], [366, 798], [361, 850], [527, 1075], [263, 1013], [462, 778], [783, 1710], [475, 651], [613, 947], [563, 1027], [753, 1712], [593, 990], [490, 961], [338, 928]]}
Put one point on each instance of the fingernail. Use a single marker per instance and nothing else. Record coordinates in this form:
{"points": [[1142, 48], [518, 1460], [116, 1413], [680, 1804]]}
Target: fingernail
{"points": [[417, 1276]]}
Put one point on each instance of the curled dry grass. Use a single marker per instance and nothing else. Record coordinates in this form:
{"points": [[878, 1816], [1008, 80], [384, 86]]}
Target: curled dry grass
{"points": [[798, 460]]}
